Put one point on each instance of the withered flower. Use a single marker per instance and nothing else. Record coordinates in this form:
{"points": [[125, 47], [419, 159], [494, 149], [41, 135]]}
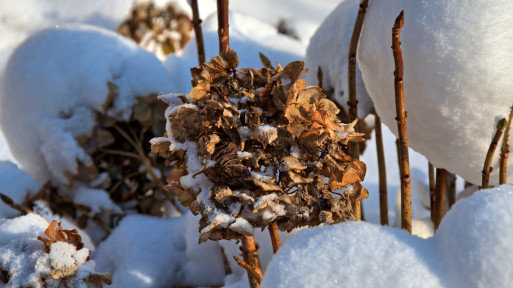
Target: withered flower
{"points": [[258, 146], [161, 30]]}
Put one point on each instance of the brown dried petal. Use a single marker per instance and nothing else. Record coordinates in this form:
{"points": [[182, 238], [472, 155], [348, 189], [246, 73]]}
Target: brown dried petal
{"points": [[293, 163], [231, 58]]}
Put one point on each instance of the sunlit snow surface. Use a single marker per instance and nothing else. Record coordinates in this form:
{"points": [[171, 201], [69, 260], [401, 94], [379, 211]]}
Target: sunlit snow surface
{"points": [[472, 248]]}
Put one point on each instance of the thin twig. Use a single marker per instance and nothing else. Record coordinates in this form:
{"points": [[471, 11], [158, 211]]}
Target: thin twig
{"points": [[404, 162], [9, 202], [432, 190], [196, 22], [250, 252], [95, 218], [249, 269], [222, 24], [503, 172], [352, 102], [382, 169], [275, 237], [501, 125], [119, 153], [441, 184]]}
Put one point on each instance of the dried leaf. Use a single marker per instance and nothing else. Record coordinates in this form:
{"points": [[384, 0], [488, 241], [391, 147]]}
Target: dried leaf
{"points": [[56, 234]]}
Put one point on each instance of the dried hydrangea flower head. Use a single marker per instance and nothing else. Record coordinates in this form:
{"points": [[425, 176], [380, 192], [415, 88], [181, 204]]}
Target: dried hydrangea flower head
{"points": [[161, 30], [258, 146]]}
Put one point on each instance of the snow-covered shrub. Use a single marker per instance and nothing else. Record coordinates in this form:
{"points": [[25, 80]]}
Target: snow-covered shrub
{"points": [[160, 30], [258, 146], [471, 248], [457, 76], [58, 260], [68, 95]]}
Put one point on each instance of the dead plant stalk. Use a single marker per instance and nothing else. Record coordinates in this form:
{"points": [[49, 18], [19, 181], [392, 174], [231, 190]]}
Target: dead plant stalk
{"points": [[196, 22], [248, 245], [485, 183], [222, 24], [383, 199], [503, 172], [439, 205], [401, 124], [352, 102], [275, 237]]}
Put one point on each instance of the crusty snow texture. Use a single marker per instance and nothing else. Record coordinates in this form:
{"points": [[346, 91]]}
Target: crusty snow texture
{"points": [[24, 257], [472, 248], [56, 81], [329, 48], [457, 76]]}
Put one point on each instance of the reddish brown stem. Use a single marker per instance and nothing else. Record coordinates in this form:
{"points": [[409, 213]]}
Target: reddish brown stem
{"points": [[222, 24], [275, 237], [196, 21], [503, 172], [250, 253], [485, 183], [451, 189], [404, 162], [251, 271], [439, 209], [432, 190], [352, 102], [383, 199]]}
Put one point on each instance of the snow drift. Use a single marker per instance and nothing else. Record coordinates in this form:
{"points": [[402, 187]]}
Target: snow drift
{"points": [[457, 76], [470, 249], [54, 85]]}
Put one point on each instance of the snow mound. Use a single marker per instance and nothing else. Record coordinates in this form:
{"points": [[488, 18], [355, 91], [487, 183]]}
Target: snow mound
{"points": [[470, 249], [457, 76], [329, 49], [17, 185], [248, 37], [54, 85], [26, 263], [149, 252]]}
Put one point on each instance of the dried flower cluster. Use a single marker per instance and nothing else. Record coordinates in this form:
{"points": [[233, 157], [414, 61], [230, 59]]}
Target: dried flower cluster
{"points": [[162, 30], [258, 146]]}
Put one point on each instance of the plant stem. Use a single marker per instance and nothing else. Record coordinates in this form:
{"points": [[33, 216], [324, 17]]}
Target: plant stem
{"points": [[404, 162], [275, 237], [441, 184], [352, 102], [485, 183], [451, 189], [432, 190], [250, 252], [383, 199], [503, 172], [9, 202], [196, 21], [222, 24], [248, 269]]}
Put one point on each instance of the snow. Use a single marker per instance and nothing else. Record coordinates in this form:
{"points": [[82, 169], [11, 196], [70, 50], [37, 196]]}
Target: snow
{"points": [[26, 261], [329, 49], [457, 82], [16, 184], [148, 252], [71, 66], [470, 249]]}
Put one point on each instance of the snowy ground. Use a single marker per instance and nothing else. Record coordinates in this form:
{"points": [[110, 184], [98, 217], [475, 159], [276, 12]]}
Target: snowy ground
{"points": [[149, 252]]}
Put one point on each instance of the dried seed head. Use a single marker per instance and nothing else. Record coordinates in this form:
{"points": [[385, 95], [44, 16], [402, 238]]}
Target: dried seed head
{"points": [[260, 147]]}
